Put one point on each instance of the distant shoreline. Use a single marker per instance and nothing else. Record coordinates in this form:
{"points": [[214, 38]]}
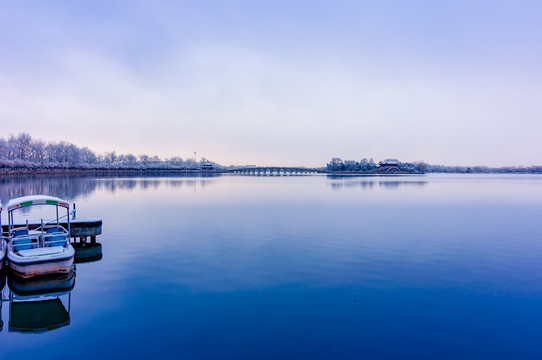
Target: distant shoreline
{"points": [[99, 172], [103, 171]]}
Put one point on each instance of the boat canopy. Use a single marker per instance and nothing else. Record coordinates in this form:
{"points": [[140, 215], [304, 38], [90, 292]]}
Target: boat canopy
{"points": [[36, 200]]}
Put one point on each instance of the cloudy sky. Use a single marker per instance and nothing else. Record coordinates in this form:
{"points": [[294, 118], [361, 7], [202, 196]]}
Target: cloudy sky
{"points": [[278, 82]]}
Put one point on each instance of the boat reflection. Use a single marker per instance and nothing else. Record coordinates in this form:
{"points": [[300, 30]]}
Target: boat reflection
{"points": [[2, 284], [41, 286], [40, 305]]}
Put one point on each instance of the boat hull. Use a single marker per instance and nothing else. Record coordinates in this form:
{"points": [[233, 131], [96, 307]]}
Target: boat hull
{"points": [[27, 268], [3, 247]]}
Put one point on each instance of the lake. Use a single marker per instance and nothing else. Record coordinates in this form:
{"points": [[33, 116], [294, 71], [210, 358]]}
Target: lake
{"points": [[294, 267]]}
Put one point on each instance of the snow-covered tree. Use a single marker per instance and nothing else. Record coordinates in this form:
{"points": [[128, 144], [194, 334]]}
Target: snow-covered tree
{"points": [[127, 160], [144, 160], [23, 144], [336, 164], [37, 152], [367, 165], [3, 149], [12, 147], [110, 158], [351, 165], [88, 157]]}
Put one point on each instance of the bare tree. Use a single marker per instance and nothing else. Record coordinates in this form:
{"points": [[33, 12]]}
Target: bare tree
{"points": [[3, 149], [37, 152], [12, 147], [23, 145]]}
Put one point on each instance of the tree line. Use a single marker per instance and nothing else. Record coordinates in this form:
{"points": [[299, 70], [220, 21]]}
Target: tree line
{"points": [[365, 165], [21, 151]]}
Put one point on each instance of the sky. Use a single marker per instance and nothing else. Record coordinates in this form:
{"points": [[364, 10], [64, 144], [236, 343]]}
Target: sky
{"points": [[278, 82]]}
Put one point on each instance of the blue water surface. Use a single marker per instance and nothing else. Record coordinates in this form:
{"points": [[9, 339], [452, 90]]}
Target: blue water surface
{"points": [[298, 267]]}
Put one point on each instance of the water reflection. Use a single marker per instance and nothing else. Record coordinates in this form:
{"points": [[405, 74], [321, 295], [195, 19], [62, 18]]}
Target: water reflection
{"points": [[41, 286], [2, 284], [87, 252], [370, 184], [63, 186], [40, 305], [71, 187], [43, 304]]}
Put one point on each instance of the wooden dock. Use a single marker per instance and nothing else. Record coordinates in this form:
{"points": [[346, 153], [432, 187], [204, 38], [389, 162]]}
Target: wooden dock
{"points": [[80, 227]]}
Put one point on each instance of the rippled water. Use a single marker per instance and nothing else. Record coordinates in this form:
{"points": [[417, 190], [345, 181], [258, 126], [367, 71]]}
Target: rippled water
{"points": [[434, 266]]}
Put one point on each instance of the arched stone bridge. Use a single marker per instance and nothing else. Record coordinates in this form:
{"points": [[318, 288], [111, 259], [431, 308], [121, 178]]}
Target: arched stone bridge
{"points": [[273, 170]]}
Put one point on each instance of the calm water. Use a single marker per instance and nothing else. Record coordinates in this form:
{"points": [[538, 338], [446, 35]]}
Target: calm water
{"points": [[436, 266]]}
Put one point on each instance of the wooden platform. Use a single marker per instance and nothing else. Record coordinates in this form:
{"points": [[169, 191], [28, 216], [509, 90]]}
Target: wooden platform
{"points": [[80, 227]]}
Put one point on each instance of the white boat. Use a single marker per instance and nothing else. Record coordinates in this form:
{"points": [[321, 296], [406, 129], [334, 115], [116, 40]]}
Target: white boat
{"points": [[2, 242], [41, 250]]}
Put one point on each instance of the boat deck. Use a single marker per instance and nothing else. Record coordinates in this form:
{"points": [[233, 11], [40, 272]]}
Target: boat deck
{"points": [[41, 251]]}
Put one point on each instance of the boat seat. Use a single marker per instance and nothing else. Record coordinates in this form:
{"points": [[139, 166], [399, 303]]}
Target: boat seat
{"points": [[25, 242], [42, 251], [20, 232], [55, 238], [52, 230]]}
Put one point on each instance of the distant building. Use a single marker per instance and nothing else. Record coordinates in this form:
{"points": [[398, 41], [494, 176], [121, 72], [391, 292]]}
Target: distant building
{"points": [[389, 163], [207, 166]]}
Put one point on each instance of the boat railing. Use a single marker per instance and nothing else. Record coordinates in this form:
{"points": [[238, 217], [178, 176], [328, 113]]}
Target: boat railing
{"points": [[17, 232], [54, 239], [55, 222], [24, 242]]}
